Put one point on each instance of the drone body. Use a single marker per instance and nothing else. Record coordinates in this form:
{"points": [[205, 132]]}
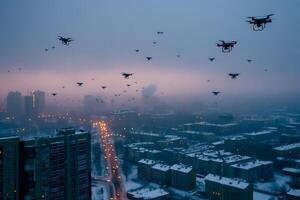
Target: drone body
{"points": [[259, 24], [127, 75], [226, 46], [65, 41], [233, 75], [215, 93], [211, 59]]}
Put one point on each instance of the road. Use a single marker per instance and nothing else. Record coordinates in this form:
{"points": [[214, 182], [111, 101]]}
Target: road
{"points": [[113, 169]]}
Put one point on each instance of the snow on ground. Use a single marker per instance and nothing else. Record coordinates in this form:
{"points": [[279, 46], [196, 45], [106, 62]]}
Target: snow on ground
{"points": [[131, 183], [276, 186], [96, 192], [262, 196]]}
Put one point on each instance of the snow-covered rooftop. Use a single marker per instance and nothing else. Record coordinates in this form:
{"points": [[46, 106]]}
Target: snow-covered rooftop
{"points": [[147, 161], [161, 167], [227, 181], [238, 138], [291, 170], [259, 133], [251, 164], [182, 168], [211, 124], [232, 159], [288, 147], [149, 193], [294, 192]]}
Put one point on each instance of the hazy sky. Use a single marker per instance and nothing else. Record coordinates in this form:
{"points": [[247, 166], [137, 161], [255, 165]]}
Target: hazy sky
{"points": [[106, 32]]}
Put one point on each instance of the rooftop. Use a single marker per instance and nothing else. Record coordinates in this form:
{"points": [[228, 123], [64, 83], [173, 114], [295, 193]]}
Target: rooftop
{"points": [[161, 167], [182, 168], [147, 161], [288, 147], [294, 192], [291, 170], [259, 133], [149, 193], [232, 159], [211, 124], [227, 181], [251, 164]]}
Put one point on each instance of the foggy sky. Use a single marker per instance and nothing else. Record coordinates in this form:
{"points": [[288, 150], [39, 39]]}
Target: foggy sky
{"points": [[107, 32]]}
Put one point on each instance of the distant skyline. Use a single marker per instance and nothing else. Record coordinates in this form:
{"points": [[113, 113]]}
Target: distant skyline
{"points": [[106, 33]]}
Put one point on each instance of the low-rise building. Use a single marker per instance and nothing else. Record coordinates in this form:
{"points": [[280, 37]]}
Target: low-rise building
{"points": [[183, 177], [289, 151], [293, 194], [161, 174], [144, 169], [252, 171], [221, 188]]}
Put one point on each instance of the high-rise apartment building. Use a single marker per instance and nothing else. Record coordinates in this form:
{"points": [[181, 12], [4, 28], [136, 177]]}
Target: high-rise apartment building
{"points": [[14, 103], [50, 168]]}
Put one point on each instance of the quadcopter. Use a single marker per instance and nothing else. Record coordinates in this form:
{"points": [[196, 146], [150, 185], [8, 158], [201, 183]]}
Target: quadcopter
{"points": [[127, 75], [233, 75], [226, 46], [259, 24], [215, 93], [65, 41]]}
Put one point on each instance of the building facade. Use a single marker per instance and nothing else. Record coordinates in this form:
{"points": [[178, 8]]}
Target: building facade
{"points": [[50, 168], [222, 188]]}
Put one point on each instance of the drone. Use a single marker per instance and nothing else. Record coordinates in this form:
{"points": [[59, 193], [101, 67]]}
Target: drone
{"points": [[249, 60], [233, 75], [127, 75], [137, 50], [211, 59], [160, 32], [65, 41], [216, 93], [148, 58], [103, 87], [79, 84], [54, 94], [226, 46], [128, 85], [259, 24]]}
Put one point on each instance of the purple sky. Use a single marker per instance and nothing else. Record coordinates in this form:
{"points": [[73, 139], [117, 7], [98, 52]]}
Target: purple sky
{"points": [[107, 32]]}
